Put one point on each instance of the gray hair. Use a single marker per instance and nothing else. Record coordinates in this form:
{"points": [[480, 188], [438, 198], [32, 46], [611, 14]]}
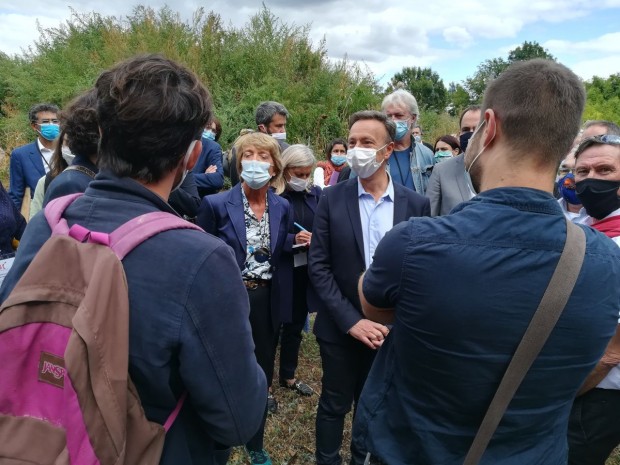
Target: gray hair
{"points": [[401, 97], [297, 156], [610, 126], [266, 111]]}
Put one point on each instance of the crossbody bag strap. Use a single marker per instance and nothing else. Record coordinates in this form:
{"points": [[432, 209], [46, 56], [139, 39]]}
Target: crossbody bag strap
{"points": [[546, 316]]}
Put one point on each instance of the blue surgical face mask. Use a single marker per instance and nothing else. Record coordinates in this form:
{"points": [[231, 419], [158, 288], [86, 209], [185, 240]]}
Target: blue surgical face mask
{"points": [[255, 173], [418, 139], [49, 131], [338, 160], [402, 126], [208, 134]]}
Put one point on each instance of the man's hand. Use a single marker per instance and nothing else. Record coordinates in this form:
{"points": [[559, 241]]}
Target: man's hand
{"points": [[211, 169], [303, 237], [370, 333]]}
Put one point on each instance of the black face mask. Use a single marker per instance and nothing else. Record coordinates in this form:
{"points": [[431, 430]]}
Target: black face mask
{"points": [[598, 196], [464, 140]]}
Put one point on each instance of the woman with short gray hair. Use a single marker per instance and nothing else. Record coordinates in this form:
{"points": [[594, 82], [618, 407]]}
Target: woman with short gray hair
{"points": [[298, 162]]}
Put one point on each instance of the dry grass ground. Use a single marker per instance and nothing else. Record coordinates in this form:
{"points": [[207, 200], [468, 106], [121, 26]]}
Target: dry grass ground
{"points": [[289, 435]]}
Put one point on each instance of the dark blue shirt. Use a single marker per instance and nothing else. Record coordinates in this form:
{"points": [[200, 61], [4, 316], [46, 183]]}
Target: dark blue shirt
{"points": [[464, 288], [400, 168], [189, 324]]}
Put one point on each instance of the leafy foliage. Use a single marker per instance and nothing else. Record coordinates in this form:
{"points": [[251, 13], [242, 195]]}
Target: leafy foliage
{"points": [[490, 69], [425, 85], [265, 59], [603, 99]]}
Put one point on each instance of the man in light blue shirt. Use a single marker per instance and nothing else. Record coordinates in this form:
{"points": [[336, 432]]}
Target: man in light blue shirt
{"points": [[349, 222], [377, 217]]}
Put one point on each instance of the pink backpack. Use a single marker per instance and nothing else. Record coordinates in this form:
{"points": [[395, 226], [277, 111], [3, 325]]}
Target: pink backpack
{"points": [[65, 392]]}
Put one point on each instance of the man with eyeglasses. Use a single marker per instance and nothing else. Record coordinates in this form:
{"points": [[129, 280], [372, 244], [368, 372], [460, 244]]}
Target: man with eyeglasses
{"points": [[567, 196], [31, 161], [594, 430]]}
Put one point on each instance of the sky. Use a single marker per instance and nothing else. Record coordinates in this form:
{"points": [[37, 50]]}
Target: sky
{"points": [[451, 37]]}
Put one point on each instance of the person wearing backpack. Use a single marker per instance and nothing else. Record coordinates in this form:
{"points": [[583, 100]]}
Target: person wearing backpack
{"points": [[189, 334]]}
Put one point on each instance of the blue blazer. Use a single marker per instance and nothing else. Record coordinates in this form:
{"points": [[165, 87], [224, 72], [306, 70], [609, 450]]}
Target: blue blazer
{"points": [[222, 215], [26, 168], [209, 183], [336, 256]]}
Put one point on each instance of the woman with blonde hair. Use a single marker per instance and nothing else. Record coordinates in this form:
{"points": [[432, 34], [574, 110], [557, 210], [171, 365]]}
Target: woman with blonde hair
{"points": [[298, 161], [255, 222]]}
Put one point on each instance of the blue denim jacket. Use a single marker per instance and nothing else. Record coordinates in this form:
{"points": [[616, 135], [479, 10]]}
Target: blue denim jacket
{"points": [[464, 288]]}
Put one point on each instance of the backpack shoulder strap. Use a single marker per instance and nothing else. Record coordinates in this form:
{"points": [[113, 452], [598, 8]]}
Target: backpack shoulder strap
{"points": [[131, 234], [123, 239], [54, 211]]}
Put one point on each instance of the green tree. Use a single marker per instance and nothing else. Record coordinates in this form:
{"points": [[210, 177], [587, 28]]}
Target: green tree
{"points": [[425, 85], [486, 72], [529, 51], [458, 99], [603, 98], [490, 69]]}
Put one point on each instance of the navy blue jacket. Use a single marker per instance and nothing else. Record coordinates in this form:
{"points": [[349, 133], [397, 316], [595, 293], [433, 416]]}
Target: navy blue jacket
{"points": [[189, 322], [464, 288], [222, 215], [25, 170], [70, 181], [336, 257], [209, 183], [12, 223]]}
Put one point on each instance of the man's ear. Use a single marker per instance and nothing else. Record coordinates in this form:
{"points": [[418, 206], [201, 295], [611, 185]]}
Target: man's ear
{"points": [[490, 129], [389, 149], [193, 158]]}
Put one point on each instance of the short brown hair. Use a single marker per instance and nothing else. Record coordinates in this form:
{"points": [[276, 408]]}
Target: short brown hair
{"points": [[390, 126], [149, 109], [539, 105]]}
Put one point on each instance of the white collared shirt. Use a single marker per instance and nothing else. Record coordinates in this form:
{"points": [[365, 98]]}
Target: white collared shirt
{"points": [[377, 217], [612, 380], [47, 155], [578, 218]]}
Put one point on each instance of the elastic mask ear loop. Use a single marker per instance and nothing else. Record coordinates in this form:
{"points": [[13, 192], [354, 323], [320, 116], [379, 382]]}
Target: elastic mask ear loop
{"points": [[483, 148]]}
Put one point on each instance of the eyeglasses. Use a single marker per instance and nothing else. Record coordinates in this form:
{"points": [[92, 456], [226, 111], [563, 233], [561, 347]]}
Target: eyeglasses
{"points": [[606, 139], [48, 121]]}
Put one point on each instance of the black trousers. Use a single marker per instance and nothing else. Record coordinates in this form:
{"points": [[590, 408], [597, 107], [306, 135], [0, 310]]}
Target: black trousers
{"points": [[345, 369], [291, 332], [265, 340], [594, 427]]}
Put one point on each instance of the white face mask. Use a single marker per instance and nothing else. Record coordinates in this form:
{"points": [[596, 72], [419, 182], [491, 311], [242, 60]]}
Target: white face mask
{"points": [[279, 135], [364, 161], [298, 184], [185, 162], [67, 155]]}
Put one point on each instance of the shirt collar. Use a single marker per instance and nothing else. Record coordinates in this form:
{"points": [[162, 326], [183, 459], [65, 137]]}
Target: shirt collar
{"points": [[389, 191], [521, 198], [42, 148]]}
